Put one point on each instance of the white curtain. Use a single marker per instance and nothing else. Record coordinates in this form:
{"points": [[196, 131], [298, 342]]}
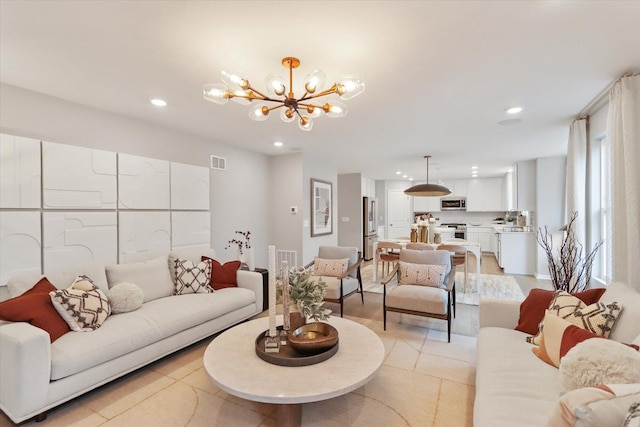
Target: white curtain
{"points": [[576, 180], [623, 131]]}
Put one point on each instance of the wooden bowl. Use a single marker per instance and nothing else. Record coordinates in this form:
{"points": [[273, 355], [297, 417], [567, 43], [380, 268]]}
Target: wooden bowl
{"points": [[313, 338]]}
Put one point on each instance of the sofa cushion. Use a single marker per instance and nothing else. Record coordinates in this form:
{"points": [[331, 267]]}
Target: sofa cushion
{"points": [[511, 382], [223, 275], [332, 291], [60, 279], [83, 306], [628, 325], [151, 276], [425, 299], [340, 252], [193, 255], [330, 267], [155, 320], [603, 405], [534, 305], [34, 307], [193, 278], [598, 318], [558, 337], [422, 274]]}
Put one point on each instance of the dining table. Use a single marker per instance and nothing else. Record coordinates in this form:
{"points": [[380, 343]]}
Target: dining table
{"points": [[470, 247]]}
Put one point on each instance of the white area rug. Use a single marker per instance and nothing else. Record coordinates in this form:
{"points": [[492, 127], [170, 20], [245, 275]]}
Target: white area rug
{"points": [[490, 286]]}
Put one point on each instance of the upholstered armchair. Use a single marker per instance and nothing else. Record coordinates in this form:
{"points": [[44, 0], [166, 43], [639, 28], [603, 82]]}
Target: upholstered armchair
{"points": [[425, 286], [339, 267]]}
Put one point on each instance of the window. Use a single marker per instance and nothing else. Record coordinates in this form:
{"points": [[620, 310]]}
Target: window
{"points": [[599, 218]]}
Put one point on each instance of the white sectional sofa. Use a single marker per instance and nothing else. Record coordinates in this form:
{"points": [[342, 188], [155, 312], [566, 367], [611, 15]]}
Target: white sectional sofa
{"points": [[513, 386], [37, 375]]}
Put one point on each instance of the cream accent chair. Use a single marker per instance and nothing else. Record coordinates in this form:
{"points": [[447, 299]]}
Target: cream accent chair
{"points": [[420, 300], [338, 288]]}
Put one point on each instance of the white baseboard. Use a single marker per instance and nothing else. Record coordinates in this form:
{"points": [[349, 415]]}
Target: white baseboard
{"points": [[542, 276]]}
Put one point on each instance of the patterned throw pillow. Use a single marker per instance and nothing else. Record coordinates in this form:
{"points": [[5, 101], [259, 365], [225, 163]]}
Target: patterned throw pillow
{"points": [[193, 278], [83, 306], [422, 274], [330, 267], [597, 318]]}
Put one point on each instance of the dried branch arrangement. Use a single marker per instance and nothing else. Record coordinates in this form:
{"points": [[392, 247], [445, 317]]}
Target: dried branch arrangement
{"points": [[569, 271]]}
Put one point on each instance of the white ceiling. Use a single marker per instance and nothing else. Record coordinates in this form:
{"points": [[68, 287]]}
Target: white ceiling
{"points": [[439, 74]]}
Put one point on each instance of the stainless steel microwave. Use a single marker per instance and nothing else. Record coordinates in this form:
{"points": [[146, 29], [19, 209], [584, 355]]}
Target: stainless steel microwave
{"points": [[453, 204]]}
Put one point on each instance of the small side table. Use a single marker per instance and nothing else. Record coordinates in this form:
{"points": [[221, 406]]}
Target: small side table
{"points": [[265, 287]]}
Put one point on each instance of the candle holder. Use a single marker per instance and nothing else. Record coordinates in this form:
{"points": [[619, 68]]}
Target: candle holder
{"points": [[271, 344], [286, 315]]}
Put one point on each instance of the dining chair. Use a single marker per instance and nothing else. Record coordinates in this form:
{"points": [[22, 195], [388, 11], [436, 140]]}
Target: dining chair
{"points": [[387, 254], [418, 246]]}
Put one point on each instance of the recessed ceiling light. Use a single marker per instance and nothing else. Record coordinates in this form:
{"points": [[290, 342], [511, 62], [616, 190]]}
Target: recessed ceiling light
{"points": [[398, 172], [410, 178], [278, 144], [159, 102], [513, 110], [474, 167], [509, 122], [404, 176]]}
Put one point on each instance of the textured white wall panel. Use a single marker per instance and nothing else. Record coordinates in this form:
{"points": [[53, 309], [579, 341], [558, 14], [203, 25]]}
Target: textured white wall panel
{"points": [[73, 239], [19, 243], [144, 235], [78, 178], [143, 183], [19, 172], [189, 187], [191, 230]]}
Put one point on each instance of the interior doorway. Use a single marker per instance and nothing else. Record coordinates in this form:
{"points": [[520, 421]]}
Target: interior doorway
{"points": [[398, 214]]}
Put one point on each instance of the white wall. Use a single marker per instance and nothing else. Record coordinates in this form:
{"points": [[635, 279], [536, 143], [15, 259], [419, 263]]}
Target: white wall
{"points": [[239, 196], [287, 190], [350, 206], [550, 197], [325, 170]]}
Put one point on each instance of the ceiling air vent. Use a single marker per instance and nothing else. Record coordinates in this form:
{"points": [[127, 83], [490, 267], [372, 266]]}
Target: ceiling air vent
{"points": [[219, 163]]}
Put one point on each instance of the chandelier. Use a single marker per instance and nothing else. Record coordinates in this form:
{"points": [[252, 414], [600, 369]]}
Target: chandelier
{"points": [[427, 190], [304, 108]]}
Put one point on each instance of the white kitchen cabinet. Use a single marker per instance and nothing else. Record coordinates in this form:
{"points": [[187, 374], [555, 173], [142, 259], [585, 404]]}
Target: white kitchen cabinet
{"points": [[426, 204], [517, 252], [481, 236], [484, 194], [458, 187]]}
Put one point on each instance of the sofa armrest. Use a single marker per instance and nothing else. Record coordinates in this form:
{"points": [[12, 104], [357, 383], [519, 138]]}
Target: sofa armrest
{"points": [[251, 280], [25, 365], [500, 313]]}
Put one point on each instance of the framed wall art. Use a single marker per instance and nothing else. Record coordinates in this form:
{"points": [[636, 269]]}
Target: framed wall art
{"points": [[321, 208]]}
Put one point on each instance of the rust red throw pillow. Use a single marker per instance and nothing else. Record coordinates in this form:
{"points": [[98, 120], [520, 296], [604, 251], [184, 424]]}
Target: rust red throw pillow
{"points": [[223, 275], [35, 307], [533, 307]]}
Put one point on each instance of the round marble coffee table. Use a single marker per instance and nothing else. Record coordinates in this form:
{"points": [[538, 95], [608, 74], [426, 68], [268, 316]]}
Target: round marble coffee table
{"points": [[232, 364]]}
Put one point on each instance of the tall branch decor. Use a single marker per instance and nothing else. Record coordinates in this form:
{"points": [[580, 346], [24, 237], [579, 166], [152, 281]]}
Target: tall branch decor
{"points": [[569, 271]]}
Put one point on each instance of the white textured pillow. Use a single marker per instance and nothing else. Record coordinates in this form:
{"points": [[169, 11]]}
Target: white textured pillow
{"points": [[125, 297], [330, 267], [599, 361], [422, 274]]}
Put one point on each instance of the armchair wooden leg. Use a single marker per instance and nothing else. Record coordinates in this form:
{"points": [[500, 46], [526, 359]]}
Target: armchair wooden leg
{"points": [[384, 316]]}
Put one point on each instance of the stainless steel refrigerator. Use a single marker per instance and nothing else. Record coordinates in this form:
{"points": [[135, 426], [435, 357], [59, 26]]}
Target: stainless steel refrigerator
{"points": [[370, 223]]}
